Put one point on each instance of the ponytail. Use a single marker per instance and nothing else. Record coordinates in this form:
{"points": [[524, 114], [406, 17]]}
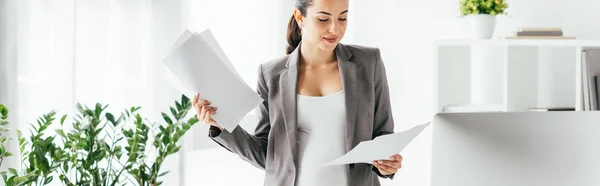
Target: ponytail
{"points": [[294, 35]]}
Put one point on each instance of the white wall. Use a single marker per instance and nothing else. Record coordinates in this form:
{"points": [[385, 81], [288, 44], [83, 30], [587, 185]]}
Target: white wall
{"points": [[405, 30]]}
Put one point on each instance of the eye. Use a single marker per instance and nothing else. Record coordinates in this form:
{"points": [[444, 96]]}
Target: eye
{"points": [[323, 20], [342, 19]]}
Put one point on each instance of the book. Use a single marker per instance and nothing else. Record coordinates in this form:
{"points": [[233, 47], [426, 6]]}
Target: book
{"points": [[535, 29], [473, 108], [539, 33], [585, 85], [590, 63], [552, 109], [540, 37], [597, 83]]}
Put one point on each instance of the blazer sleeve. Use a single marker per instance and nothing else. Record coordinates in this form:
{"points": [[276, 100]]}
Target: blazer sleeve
{"points": [[383, 120], [250, 147]]}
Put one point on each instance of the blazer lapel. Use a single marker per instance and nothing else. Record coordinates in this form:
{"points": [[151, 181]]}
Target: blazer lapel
{"points": [[349, 74], [288, 82]]}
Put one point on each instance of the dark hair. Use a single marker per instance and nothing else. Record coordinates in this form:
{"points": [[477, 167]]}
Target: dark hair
{"points": [[294, 35]]}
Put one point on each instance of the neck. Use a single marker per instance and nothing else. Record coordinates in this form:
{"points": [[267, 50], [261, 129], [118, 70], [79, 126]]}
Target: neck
{"points": [[313, 55]]}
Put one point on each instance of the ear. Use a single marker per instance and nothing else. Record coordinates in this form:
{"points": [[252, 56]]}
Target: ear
{"points": [[299, 18]]}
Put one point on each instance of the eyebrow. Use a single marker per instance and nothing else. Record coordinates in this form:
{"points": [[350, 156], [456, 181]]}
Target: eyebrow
{"points": [[327, 13]]}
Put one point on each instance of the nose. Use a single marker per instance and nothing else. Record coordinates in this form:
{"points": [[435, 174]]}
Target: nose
{"points": [[332, 26]]}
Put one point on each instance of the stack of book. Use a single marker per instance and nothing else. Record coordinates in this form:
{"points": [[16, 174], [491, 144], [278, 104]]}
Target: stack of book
{"points": [[552, 109], [539, 33], [590, 72]]}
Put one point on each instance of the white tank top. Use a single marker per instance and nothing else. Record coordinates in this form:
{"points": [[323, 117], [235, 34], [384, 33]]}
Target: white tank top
{"points": [[321, 138]]}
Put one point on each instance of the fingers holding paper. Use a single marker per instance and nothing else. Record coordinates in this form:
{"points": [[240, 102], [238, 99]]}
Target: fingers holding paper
{"points": [[391, 166], [204, 111]]}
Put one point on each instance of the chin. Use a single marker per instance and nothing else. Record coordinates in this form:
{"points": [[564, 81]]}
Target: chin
{"points": [[328, 46]]}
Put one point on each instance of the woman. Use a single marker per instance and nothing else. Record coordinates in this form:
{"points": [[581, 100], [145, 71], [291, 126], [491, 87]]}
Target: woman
{"points": [[321, 100]]}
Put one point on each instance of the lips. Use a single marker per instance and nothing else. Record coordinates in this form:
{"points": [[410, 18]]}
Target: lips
{"points": [[330, 39]]}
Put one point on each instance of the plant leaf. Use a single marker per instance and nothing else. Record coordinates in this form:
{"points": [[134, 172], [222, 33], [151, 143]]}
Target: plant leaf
{"points": [[165, 139], [167, 118], [20, 179], [12, 171], [185, 100], [61, 133], [62, 120], [98, 110], [174, 112], [178, 106], [174, 150], [164, 173], [110, 117], [48, 180]]}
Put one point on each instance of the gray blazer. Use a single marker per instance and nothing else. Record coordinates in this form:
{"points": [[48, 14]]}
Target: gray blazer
{"points": [[272, 147]]}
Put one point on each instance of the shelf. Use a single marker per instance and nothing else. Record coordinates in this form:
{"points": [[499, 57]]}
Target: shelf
{"points": [[518, 42], [526, 74]]}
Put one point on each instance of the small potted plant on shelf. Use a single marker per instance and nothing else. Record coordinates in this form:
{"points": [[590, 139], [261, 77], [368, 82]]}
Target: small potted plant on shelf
{"points": [[482, 15]]}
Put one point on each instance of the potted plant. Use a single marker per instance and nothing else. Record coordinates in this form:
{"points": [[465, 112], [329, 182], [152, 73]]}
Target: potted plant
{"points": [[482, 15], [100, 149]]}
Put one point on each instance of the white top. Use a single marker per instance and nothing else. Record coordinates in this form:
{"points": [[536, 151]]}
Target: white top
{"points": [[321, 138]]}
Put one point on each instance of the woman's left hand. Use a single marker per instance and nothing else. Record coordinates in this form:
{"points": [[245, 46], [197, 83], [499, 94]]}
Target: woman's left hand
{"points": [[391, 166]]}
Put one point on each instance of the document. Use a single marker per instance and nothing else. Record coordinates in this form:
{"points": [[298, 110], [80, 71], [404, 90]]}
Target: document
{"points": [[212, 42], [201, 66], [380, 148]]}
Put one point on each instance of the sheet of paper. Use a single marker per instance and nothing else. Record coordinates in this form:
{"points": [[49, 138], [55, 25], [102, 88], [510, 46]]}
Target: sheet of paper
{"points": [[212, 41], [382, 147], [199, 68], [172, 78], [209, 38], [182, 38]]}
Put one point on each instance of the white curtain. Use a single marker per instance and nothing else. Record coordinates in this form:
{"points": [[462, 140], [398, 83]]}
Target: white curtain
{"points": [[7, 67], [72, 51], [63, 52]]}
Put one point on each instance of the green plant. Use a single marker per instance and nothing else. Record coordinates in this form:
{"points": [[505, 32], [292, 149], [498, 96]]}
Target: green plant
{"points": [[39, 156], [166, 138], [3, 138], [89, 157], [91, 153], [491, 7]]}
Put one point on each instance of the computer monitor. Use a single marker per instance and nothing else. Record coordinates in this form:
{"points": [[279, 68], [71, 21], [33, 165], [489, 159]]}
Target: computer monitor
{"points": [[516, 149]]}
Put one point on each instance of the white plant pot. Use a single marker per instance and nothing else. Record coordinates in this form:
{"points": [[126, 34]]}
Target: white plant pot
{"points": [[482, 26]]}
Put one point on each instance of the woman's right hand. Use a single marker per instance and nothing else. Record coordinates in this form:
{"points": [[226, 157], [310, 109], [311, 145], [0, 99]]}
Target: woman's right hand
{"points": [[204, 111]]}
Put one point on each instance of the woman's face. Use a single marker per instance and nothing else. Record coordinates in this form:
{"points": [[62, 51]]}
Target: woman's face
{"points": [[325, 23]]}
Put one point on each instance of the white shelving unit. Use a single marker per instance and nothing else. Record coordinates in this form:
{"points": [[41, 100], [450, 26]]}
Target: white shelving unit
{"points": [[532, 73]]}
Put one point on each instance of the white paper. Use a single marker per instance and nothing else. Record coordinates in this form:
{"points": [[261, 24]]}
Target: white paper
{"points": [[209, 38], [380, 148], [212, 42], [200, 65]]}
